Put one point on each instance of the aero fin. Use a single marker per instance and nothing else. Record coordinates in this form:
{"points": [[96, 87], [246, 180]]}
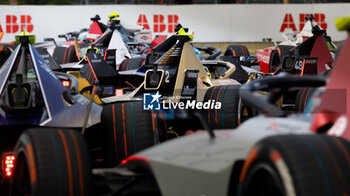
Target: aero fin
{"points": [[94, 32], [321, 50], [183, 33]]}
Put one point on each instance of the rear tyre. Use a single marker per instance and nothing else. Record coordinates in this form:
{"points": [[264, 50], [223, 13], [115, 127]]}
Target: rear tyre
{"points": [[275, 62], [51, 162], [277, 56], [63, 55], [238, 50], [5, 53], [297, 165], [232, 111], [127, 130], [130, 64]]}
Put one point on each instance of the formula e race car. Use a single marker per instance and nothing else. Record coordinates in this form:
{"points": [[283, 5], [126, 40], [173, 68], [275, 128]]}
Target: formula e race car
{"points": [[34, 99], [311, 57], [120, 42], [75, 44], [173, 71], [115, 44], [267, 155], [270, 59], [313, 51]]}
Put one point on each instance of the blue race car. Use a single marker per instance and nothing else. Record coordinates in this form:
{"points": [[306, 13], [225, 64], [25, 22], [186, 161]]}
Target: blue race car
{"points": [[35, 104]]}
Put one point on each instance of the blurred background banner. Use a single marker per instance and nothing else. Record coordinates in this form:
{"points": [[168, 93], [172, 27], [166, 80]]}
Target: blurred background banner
{"points": [[209, 22]]}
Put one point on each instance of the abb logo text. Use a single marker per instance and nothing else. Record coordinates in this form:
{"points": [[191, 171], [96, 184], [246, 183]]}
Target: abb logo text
{"points": [[15, 24], [159, 24], [288, 21]]}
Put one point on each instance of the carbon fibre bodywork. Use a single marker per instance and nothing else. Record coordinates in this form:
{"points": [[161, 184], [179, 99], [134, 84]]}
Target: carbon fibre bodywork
{"points": [[59, 109]]}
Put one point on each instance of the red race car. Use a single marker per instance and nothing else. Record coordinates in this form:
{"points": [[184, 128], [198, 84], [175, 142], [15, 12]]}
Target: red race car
{"points": [[270, 59]]}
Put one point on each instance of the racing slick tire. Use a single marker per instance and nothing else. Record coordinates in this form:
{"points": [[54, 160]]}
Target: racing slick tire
{"points": [[277, 56], [238, 50], [51, 162], [302, 98], [127, 129], [232, 111], [297, 165], [130, 64], [63, 55], [5, 53]]}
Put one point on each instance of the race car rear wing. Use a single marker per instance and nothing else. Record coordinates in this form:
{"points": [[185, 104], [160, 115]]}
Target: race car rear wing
{"points": [[315, 46], [300, 65]]}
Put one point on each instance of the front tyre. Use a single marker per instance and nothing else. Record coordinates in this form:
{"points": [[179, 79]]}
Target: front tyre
{"points": [[297, 165]]}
